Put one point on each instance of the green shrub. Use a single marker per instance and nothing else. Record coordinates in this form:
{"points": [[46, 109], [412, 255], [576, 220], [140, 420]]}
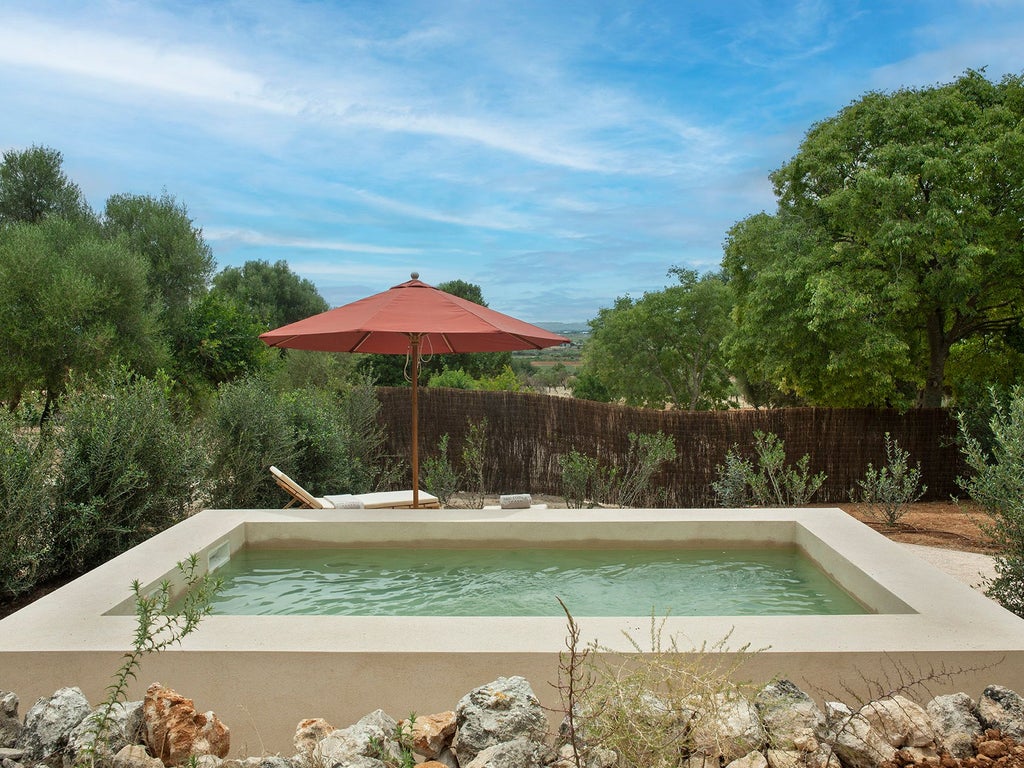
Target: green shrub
{"points": [[127, 470], [586, 483], [371, 468], [646, 454], [26, 502], [580, 475], [731, 489], [330, 443], [440, 477], [453, 378], [321, 441], [506, 381], [768, 483], [997, 484], [248, 431], [474, 462], [889, 490]]}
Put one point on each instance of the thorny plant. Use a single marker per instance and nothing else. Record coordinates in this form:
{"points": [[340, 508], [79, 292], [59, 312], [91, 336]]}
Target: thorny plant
{"points": [[898, 681], [400, 737], [574, 681], [659, 705], [157, 628]]}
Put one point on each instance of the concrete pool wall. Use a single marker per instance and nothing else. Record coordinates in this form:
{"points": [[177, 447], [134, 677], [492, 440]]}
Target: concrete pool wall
{"points": [[262, 674]]}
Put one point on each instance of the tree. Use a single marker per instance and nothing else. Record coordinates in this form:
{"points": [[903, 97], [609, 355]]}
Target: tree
{"points": [[216, 342], [69, 300], [180, 261], [898, 237], [33, 186], [664, 348], [272, 292]]}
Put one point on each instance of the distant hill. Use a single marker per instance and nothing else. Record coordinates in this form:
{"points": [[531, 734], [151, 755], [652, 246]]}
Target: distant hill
{"points": [[574, 326]]}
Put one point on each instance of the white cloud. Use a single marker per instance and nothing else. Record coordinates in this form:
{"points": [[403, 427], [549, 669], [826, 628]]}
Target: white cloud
{"points": [[147, 63], [253, 237]]}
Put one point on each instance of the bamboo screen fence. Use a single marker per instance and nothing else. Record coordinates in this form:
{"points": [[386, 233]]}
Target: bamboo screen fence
{"points": [[526, 434]]}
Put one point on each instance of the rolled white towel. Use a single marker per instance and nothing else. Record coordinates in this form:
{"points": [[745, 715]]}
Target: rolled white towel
{"points": [[515, 501]]}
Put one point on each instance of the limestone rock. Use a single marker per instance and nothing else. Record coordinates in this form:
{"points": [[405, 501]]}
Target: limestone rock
{"points": [[731, 729], [10, 725], [955, 720], [822, 757], [354, 746], [309, 732], [900, 721], [266, 761], [135, 756], [50, 721], [1002, 709], [854, 741], [750, 760], [174, 730], [518, 753], [791, 718], [496, 713], [432, 734], [208, 761], [124, 727]]}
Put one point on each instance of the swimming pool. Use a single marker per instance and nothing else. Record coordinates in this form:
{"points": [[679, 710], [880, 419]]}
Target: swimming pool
{"points": [[487, 581], [262, 674]]}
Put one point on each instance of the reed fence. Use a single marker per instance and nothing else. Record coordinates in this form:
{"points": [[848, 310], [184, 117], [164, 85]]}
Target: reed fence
{"points": [[527, 433]]}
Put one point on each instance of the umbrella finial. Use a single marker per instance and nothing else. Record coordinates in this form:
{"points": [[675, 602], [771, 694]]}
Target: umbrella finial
{"points": [[415, 275]]}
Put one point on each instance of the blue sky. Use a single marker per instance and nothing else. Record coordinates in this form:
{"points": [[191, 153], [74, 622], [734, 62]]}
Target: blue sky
{"points": [[559, 154]]}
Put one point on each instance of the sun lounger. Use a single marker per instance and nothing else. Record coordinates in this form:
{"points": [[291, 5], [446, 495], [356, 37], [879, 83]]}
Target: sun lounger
{"points": [[379, 500]]}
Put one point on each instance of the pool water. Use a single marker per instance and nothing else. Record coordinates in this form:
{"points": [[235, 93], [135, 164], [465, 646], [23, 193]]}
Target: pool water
{"points": [[525, 582]]}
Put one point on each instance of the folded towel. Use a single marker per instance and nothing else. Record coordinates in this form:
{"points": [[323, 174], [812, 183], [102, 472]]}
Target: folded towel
{"points": [[350, 504], [515, 501]]}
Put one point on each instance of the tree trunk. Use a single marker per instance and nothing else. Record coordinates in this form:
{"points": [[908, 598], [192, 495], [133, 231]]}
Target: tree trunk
{"points": [[938, 352]]}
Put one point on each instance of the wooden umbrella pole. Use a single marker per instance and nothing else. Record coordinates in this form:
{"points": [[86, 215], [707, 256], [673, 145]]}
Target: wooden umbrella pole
{"points": [[415, 341]]}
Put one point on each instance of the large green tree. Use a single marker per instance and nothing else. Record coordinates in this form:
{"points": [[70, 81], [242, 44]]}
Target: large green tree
{"points": [[180, 261], [664, 348], [272, 292], [69, 300], [899, 235], [33, 185]]}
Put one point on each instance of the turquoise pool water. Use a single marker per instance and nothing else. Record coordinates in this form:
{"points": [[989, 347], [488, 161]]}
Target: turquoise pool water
{"points": [[525, 582]]}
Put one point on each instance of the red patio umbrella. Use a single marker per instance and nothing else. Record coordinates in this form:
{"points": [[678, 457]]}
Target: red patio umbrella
{"points": [[406, 319]]}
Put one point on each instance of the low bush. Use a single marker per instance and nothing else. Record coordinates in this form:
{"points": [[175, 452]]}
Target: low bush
{"points": [[247, 432], [26, 499], [330, 443], [585, 482], [440, 477], [888, 491], [768, 482], [127, 470], [996, 483]]}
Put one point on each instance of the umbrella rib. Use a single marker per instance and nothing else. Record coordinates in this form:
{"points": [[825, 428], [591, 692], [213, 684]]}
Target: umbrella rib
{"points": [[362, 340]]}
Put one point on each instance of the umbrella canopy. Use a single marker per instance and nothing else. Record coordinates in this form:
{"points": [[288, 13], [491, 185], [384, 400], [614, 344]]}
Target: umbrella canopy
{"points": [[408, 319]]}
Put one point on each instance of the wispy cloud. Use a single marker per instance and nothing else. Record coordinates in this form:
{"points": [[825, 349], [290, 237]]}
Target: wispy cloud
{"points": [[253, 237]]}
